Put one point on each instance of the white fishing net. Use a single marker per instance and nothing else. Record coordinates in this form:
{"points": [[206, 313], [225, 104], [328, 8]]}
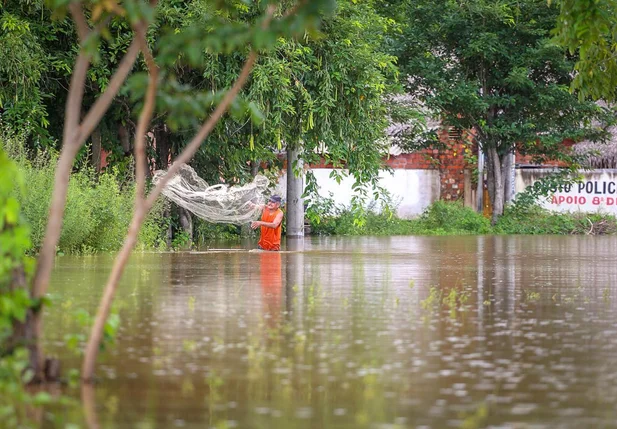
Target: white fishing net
{"points": [[216, 203]]}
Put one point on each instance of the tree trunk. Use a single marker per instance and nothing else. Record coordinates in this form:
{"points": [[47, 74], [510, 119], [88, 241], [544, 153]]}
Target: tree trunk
{"points": [[24, 334], [186, 222], [498, 183], [490, 177], [254, 168], [163, 147], [169, 234], [508, 175], [480, 186], [96, 149], [295, 188], [125, 139]]}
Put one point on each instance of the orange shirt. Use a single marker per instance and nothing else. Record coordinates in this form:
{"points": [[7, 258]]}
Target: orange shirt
{"points": [[270, 238]]}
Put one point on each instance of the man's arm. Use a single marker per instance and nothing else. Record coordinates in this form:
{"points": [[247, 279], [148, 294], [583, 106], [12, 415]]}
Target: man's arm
{"points": [[275, 223], [252, 205]]}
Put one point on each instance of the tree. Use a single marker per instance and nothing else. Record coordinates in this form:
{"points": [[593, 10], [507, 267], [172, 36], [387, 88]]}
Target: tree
{"points": [[492, 67], [314, 93], [154, 89], [23, 64], [588, 28]]}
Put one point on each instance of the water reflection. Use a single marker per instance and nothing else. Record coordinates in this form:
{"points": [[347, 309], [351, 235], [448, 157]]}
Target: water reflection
{"points": [[271, 278], [358, 332]]}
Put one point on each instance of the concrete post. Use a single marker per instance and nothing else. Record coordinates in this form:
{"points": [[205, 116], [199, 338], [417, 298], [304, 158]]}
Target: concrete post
{"points": [[510, 177], [295, 189]]}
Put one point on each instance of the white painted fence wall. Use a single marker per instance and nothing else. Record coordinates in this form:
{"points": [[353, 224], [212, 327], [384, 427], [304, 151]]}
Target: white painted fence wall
{"points": [[596, 193], [413, 190]]}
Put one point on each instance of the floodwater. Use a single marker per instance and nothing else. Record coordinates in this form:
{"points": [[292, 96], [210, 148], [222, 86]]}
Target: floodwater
{"points": [[398, 332]]}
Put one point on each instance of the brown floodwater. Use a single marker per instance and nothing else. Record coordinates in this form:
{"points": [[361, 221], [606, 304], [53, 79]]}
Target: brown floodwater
{"points": [[397, 332]]}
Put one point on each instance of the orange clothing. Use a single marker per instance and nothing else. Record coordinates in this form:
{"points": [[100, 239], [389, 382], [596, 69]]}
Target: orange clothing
{"points": [[270, 238]]}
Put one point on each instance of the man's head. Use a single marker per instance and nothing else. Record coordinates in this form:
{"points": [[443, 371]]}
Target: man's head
{"points": [[274, 202]]}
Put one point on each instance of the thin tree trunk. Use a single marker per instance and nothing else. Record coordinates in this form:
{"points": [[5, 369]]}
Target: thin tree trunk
{"points": [[96, 149], [498, 199], [163, 147], [254, 167], [143, 204], [508, 174], [125, 139], [74, 136], [480, 185], [490, 177], [186, 222], [295, 188]]}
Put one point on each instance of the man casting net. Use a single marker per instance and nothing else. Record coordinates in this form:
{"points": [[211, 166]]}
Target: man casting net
{"points": [[217, 203]]}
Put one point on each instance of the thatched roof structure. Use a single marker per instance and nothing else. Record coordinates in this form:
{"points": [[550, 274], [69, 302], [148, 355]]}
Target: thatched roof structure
{"points": [[403, 135], [598, 154]]}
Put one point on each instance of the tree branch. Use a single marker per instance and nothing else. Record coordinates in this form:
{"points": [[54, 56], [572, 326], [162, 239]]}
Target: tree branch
{"points": [[81, 24], [65, 162]]}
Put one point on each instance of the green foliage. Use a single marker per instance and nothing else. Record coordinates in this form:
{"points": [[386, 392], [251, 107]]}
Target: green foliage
{"points": [[15, 398], [206, 231], [452, 218], [22, 66], [441, 218], [98, 210], [587, 28], [536, 220], [75, 341], [15, 267], [15, 301], [182, 240], [322, 89], [446, 218], [492, 67], [153, 232]]}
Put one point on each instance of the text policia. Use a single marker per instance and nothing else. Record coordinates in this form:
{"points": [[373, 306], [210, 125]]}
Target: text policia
{"points": [[603, 192]]}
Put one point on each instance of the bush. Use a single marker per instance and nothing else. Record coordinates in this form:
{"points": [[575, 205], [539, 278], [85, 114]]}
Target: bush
{"points": [[99, 206], [443, 217], [205, 231], [536, 220]]}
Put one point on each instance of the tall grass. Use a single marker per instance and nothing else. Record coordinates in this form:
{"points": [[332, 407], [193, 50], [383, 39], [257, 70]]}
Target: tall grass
{"points": [[98, 207]]}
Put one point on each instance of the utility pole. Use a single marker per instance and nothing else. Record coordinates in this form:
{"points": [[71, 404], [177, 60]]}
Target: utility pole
{"points": [[295, 189]]}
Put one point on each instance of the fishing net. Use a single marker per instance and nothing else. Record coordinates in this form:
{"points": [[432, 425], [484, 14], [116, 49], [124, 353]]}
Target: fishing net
{"points": [[214, 203]]}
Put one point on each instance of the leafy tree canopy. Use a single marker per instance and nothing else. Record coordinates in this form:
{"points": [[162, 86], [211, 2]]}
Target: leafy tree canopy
{"points": [[589, 29], [491, 66]]}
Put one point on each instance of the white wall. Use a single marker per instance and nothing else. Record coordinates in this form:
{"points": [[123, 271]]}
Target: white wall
{"points": [[413, 190], [597, 192]]}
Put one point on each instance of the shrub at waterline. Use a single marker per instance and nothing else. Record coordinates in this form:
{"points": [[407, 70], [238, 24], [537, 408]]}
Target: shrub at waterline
{"points": [[452, 218], [536, 220], [440, 218]]}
